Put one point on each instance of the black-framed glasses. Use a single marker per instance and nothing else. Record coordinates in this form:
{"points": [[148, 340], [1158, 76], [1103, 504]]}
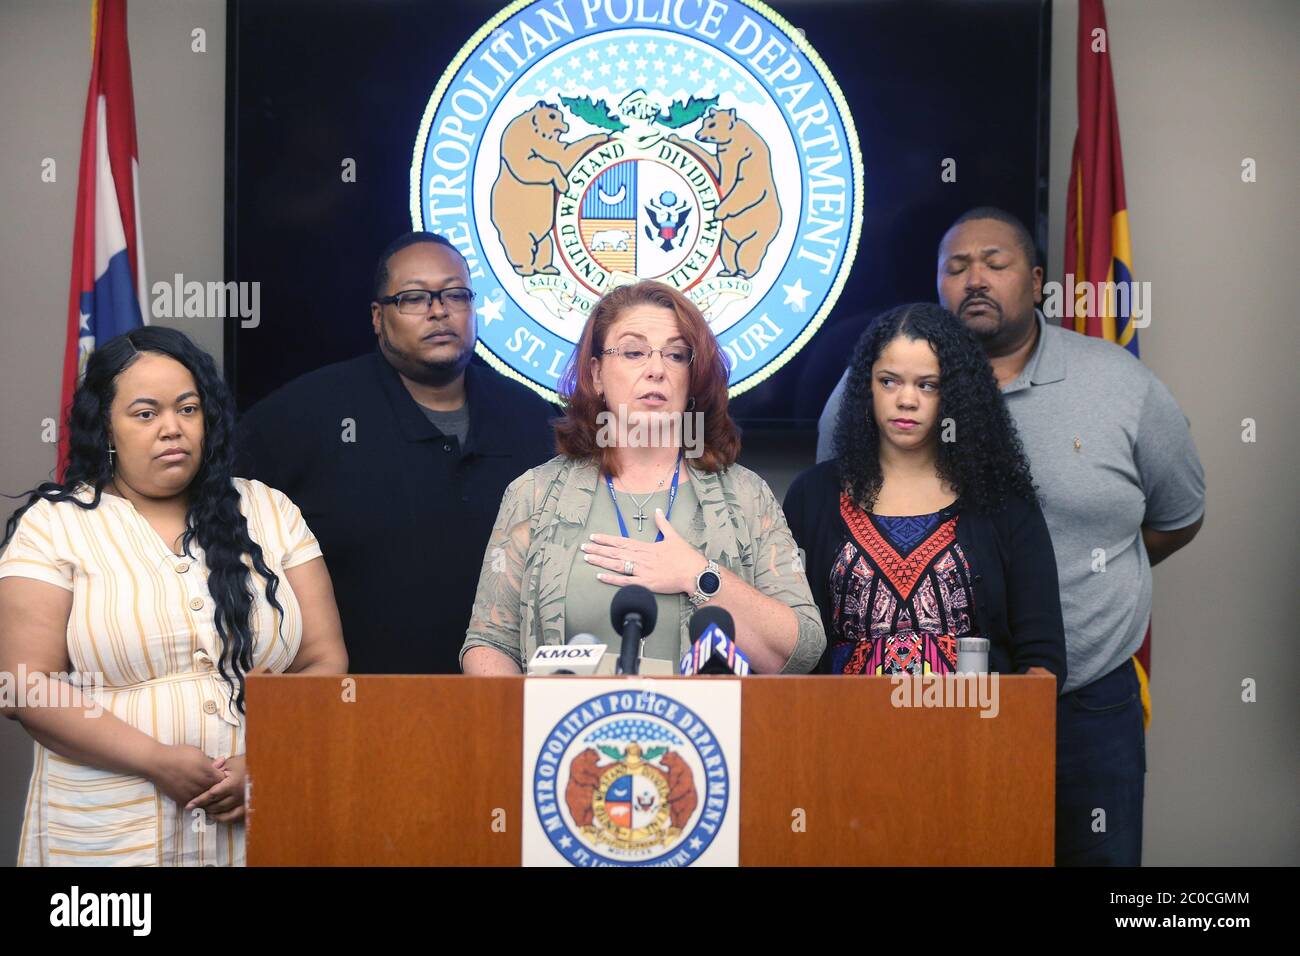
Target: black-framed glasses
{"points": [[674, 356], [420, 301]]}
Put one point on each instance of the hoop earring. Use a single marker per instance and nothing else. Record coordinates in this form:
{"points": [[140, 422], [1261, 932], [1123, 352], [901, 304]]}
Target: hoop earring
{"points": [[690, 403]]}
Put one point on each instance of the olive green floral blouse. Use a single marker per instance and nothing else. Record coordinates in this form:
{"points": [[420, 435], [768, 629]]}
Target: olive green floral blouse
{"points": [[521, 589]]}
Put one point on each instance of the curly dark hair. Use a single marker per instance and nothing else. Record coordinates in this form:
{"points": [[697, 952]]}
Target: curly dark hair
{"points": [[986, 463], [213, 519]]}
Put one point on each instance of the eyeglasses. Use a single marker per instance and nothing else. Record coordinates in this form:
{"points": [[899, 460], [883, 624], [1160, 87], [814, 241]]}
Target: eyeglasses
{"points": [[420, 301], [675, 356]]}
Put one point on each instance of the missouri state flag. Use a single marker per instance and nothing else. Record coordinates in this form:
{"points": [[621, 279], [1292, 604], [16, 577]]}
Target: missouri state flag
{"points": [[1097, 246], [107, 295]]}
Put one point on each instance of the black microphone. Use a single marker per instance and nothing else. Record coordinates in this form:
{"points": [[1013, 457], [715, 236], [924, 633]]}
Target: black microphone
{"points": [[632, 612], [705, 616], [702, 658]]}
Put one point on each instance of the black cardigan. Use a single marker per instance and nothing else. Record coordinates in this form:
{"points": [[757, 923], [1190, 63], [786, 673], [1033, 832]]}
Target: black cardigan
{"points": [[1013, 570]]}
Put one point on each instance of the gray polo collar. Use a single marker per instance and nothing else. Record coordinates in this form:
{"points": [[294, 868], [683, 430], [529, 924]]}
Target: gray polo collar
{"points": [[1047, 363]]}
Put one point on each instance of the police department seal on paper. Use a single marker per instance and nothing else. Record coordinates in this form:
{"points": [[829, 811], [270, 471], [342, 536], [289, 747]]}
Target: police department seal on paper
{"points": [[629, 780]]}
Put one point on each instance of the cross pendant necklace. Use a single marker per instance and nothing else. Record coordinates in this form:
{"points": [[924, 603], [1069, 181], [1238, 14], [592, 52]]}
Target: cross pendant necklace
{"points": [[640, 515]]}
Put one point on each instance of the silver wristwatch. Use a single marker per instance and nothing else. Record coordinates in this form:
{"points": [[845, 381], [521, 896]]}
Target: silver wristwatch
{"points": [[707, 584]]}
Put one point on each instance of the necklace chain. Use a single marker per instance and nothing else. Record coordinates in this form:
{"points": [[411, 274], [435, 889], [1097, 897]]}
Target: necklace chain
{"points": [[640, 505], [640, 515]]}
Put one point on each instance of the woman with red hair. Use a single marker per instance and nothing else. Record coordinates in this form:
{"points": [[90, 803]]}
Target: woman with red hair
{"points": [[645, 491]]}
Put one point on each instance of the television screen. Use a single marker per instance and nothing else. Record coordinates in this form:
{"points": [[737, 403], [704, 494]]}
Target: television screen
{"points": [[790, 168]]}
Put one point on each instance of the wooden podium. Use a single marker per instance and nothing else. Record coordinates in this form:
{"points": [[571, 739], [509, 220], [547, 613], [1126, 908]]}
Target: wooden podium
{"points": [[411, 771]]}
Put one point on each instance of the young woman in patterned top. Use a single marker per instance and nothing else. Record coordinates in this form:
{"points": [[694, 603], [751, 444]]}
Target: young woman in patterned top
{"points": [[925, 527]]}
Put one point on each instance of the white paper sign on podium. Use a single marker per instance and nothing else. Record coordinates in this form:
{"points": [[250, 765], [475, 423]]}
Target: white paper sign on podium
{"points": [[637, 772]]}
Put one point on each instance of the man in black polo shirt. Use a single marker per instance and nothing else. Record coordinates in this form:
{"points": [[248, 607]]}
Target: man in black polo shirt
{"points": [[399, 459]]}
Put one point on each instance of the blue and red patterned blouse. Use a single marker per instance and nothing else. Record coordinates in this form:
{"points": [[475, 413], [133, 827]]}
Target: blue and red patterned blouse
{"points": [[901, 594]]}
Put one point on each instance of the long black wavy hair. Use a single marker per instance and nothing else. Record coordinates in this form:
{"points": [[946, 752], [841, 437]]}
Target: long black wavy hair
{"points": [[213, 518], [985, 464]]}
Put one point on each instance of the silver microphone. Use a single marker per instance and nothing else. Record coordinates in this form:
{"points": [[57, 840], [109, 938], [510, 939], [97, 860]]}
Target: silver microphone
{"points": [[584, 640], [580, 654]]}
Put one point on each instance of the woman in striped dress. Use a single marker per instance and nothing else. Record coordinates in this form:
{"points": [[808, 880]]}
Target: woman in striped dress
{"points": [[135, 596]]}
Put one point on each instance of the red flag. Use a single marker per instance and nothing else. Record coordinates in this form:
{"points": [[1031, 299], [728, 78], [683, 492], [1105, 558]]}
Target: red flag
{"points": [[107, 294], [1097, 245], [1098, 250]]}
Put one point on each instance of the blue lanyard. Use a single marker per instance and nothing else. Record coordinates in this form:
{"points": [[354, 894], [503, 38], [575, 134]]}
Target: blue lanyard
{"points": [[672, 496]]}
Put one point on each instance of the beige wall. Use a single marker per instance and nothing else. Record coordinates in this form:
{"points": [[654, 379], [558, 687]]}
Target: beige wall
{"points": [[1201, 84], [180, 126]]}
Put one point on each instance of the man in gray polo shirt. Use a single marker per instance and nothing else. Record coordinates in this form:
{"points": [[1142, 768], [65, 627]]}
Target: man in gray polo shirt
{"points": [[1122, 488]]}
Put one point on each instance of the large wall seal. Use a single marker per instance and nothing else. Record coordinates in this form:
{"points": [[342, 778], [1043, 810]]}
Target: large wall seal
{"points": [[575, 145]]}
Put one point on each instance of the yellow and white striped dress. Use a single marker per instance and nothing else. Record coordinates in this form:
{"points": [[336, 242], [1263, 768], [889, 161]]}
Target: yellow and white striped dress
{"points": [[142, 618]]}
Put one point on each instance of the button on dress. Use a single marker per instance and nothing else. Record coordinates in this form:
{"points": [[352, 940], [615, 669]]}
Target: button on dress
{"points": [[141, 626]]}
